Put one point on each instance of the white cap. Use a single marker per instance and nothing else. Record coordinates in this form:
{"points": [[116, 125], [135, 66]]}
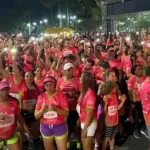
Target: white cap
{"points": [[68, 66]]}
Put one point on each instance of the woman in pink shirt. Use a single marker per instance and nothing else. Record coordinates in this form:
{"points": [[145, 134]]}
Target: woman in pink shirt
{"points": [[39, 79], [28, 59], [54, 70], [28, 94], [52, 110], [134, 87], [86, 109], [9, 116]]}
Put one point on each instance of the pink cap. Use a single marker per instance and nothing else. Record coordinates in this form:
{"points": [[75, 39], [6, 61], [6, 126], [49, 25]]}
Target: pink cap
{"points": [[49, 79], [4, 85]]}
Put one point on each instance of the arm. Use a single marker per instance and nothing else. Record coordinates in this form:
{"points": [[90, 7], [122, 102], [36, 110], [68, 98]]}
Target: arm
{"points": [[22, 123], [2, 70], [105, 104], [38, 114], [60, 111], [58, 63], [17, 74], [120, 105], [122, 98], [89, 117], [47, 56], [99, 90]]}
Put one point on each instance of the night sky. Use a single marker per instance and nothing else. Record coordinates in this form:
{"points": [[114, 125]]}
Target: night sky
{"points": [[6, 4]]}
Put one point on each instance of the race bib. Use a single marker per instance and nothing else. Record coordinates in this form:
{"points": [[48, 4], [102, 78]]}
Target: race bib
{"points": [[8, 121], [29, 104], [112, 110], [50, 115], [139, 87], [14, 95], [78, 109]]}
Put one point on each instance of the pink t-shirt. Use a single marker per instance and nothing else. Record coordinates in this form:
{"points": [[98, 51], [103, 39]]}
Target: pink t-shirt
{"points": [[51, 117], [134, 84], [98, 74], [111, 118], [40, 84], [9, 125], [104, 56], [28, 96], [13, 86], [28, 63], [73, 86], [53, 73], [126, 63], [89, 101], [77, 72], [145, 99], [115, 64], [109, 43]]}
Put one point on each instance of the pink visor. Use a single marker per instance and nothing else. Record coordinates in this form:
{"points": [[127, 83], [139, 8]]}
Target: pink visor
{"points": [[4, 85], [49, 79]]}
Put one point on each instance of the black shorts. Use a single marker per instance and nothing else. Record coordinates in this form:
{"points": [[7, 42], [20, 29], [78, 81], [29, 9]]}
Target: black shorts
{"points": [[72, 118], [28, 116], [109, 131]]}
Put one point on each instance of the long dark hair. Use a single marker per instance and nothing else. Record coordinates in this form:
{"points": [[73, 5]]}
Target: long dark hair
{"points": [[87, 82], [134, 68]]}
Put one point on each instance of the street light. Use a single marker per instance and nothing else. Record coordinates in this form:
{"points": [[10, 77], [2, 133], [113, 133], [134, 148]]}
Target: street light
{"points": [[45, 20], [34, 23], [79, 21], [41, 22], [73, 18], [61, 17], [29, 26]]}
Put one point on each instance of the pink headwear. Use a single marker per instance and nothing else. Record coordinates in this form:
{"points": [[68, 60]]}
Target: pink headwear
{"points": [[49, 79], [4, 85]]}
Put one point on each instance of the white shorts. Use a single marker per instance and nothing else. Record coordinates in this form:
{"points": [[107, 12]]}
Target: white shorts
{"points": [[91, 129]]}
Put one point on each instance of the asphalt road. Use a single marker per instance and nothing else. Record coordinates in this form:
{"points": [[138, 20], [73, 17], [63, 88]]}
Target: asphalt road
{"points": [[129, 143]]}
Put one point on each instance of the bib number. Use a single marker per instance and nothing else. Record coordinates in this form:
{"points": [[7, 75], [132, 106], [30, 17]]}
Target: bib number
{"points": [[50, 115], [112, 110], [139, 87], [8, 121], [14, 95], [29, 104], [78, 109]]}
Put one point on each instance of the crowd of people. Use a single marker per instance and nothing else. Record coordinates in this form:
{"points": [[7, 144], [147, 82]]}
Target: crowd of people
{"points": [[85, 85]]}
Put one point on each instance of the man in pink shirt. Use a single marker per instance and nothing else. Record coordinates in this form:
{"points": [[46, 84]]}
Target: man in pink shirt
{"points": [[70, 86], [145, 100]]}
